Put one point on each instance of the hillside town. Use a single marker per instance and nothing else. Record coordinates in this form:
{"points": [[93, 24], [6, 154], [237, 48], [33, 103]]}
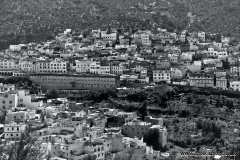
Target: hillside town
{"points": [[142, 57], [75, 65]]}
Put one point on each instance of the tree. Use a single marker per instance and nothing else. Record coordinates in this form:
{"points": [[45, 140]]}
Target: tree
{"points": [[28, 147], [184, 113], [91, 124], [143, 110], [199, 123], [54, 93], [137, 95], [152, 139], [176, 129], [218, 103], [230, 104], [189, 100]]}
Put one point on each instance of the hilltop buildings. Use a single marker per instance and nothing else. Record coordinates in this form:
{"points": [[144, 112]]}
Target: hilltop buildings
{"points": [[140, 57], [105, 59]]}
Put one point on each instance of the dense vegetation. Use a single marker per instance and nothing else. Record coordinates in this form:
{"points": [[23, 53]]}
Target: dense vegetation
{"points": [[195, 117], [23, 21], [22, 83]]}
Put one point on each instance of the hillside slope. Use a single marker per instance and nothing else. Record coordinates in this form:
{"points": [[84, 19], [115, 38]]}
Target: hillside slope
{"points": [[23, 21]]}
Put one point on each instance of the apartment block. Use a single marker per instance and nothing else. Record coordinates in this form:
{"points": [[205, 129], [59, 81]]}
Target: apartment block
{"points": [[67, 81], [9, 64], [221, 82], [161, 76], [201, 80], [8, 101], [14, 131], [83, 66], [56, 66]]}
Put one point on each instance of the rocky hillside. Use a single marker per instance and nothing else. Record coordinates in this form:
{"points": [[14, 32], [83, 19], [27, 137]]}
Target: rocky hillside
{"points": [[23, 21]]}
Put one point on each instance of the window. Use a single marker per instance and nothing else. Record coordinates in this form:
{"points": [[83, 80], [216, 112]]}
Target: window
{"points": [[3, 102], [10, 102]]}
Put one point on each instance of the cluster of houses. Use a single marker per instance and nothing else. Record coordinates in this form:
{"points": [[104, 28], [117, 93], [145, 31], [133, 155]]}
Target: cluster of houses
{"points": [[70, 130], [100, 59], [71, 60], [75, 131]]}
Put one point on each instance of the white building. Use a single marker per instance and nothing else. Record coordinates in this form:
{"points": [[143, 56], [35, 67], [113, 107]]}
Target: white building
{"points": [[83, 66], [8, 101], [177, 73], [202, 36], [26, 66], [234, 69], [221, 82], [16, 47], [109, 35], [235, 85], [98, 68], [9, 64], [183, 36], [6, 87], [116, 69], [212, 52], [201, 80], [14, 131], [56, 66], [26, 100], [145, 39], [161, 75]]}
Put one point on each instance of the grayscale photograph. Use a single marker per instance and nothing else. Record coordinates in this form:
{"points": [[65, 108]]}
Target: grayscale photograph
{"points": [[119, 80]]}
